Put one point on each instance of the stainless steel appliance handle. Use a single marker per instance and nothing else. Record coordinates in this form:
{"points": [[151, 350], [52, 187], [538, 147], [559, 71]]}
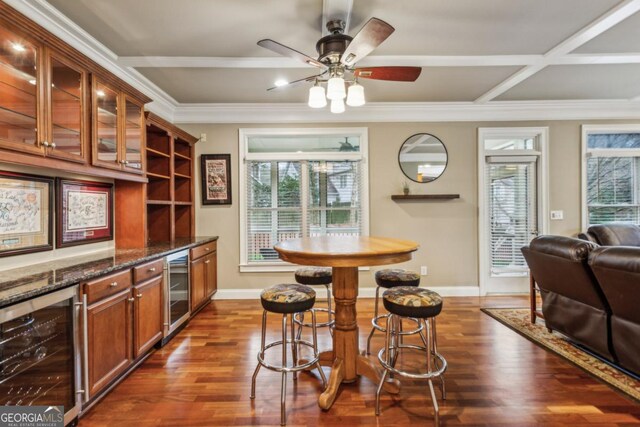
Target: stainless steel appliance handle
{"points": [[85, 347]]}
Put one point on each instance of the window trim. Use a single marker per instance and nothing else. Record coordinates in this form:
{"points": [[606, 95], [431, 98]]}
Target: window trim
{"points": [[586, 153], [243, 136]]}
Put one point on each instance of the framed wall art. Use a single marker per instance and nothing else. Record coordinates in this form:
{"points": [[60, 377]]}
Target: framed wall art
{"points": [[84, 212], [26, 212], [216, 179]]}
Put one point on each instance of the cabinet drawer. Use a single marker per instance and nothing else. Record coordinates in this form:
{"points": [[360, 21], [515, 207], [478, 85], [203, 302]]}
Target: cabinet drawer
{"points": [[147, 271], [107, 285], [202, 250]]}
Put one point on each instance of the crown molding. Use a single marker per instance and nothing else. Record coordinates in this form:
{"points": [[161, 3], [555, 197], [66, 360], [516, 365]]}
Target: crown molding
{"points": [[410, 112], [48, 17]]}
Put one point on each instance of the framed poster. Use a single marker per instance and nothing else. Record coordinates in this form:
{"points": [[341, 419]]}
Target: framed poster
{"points": [[84, 212], [26, 206], [215, 170]]}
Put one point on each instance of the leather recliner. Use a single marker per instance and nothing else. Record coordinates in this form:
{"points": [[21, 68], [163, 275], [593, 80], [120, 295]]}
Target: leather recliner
{"points": [[572, 301], [617, 270], [614, 234]]}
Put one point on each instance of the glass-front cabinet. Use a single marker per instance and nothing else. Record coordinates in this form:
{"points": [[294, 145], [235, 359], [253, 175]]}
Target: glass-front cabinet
{"points": [[42, 100], [117, 129]]}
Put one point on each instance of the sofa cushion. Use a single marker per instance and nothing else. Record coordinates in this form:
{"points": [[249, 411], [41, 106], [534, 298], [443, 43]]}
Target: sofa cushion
{"points": [[616, 234]]}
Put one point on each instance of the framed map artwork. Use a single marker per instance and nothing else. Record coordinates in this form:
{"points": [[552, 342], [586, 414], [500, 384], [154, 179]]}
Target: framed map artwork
{"points": [[215, 171], [26, 204], [84, 212]]}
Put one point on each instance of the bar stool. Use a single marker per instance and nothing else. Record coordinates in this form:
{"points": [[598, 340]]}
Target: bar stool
{"points": [[287, 300], [316, 276], [390, 278], [424, 305]]}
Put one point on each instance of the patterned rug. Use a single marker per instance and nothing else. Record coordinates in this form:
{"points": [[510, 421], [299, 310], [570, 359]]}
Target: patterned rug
{"points": [[518, 320]]}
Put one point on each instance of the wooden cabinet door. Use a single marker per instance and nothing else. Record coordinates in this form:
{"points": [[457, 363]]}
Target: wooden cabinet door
{"points": [[147, 315], [132, 147], [67, 110], [109, 343], [22, 123], [106, 138], [198, 282], [211, 266]]}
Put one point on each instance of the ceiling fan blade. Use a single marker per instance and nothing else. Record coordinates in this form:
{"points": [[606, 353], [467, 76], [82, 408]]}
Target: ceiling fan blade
{"points": [[291, 53], [294, 82], [395, 74], [374, 32]]}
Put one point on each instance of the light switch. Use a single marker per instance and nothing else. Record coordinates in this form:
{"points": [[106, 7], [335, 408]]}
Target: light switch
{"points": [[557, 215]]}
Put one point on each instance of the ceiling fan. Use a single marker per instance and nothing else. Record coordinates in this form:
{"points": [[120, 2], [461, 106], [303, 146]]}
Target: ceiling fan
{"points": [[337, 57]]}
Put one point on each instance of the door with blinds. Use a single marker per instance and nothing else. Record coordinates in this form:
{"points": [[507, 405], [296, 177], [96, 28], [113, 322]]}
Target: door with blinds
{"points": [[510, 205]]}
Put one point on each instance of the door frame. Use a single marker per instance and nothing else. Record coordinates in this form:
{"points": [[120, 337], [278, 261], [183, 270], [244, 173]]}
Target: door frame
{"points": [[542, 136]]}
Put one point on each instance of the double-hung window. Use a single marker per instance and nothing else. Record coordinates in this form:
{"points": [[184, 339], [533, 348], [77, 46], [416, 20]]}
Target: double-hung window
{"points": [[611, 174], [299, 183]]}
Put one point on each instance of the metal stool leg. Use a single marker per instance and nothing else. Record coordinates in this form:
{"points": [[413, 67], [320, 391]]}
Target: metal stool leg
{"points": [[315, 349], [434, 400], [294, 348], [283, 389], [443, 390], [255, 373], [387, 341], [374, 316]]}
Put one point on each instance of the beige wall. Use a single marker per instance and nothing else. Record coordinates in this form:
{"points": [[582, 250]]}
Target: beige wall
{"points": [[447, 231]]}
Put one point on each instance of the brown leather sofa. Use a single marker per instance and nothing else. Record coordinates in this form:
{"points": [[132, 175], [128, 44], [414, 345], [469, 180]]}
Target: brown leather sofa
{"points": [[617, 269], [572, 301], [613, 235]]}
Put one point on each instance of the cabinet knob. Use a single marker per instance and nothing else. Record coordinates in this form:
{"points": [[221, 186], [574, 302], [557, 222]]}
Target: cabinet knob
{"points": [[53, 145], [207, 261], [207, 249], [131, 299], [126, 162], [152, 269], [139, 295], [45, 143], [113, 284]]}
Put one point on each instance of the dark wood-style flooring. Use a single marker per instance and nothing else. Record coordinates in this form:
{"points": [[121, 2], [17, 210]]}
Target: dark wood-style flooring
{"points": [[495, 377]]}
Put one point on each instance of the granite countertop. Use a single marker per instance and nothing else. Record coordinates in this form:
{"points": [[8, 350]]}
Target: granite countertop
{"points": [[27, 282]]}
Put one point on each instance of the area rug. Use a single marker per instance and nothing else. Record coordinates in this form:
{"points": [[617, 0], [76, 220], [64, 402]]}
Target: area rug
{"points": [[518, 319]]}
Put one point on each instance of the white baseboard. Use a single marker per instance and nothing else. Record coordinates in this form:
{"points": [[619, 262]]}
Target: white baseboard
{"points": [[445, 291]]}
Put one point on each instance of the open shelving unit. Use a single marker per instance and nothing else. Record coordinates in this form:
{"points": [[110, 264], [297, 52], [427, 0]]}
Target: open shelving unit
{"points": [[170, 191]]}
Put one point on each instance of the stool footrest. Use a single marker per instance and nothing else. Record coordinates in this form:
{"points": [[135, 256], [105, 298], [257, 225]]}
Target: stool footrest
{"points": [[296, 368], [425, 376]]}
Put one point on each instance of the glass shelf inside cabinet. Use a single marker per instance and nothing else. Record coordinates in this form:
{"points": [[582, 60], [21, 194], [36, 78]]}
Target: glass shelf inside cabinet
{"points": [[107, 124], [133, 135], [18, 89], [66, 107]]}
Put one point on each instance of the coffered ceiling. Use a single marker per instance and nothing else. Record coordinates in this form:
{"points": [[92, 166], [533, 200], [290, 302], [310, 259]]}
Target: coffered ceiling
{"points": [[471, 51]]}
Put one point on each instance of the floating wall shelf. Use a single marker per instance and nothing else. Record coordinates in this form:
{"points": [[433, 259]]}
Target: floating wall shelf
{"points": [[426, 197]]}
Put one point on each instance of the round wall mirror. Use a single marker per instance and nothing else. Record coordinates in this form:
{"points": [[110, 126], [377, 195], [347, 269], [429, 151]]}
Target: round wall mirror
{"points": [[423, 157]]}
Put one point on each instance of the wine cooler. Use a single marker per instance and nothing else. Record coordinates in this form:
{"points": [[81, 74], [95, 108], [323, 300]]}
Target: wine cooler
{"points": [[176, 293], [39, 357]]}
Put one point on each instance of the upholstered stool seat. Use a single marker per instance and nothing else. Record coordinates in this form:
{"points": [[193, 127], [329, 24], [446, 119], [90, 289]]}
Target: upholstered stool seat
{"points": [[313, 275], [389, 278], [409, 301], [392, 277], [422, 306], [285, 299], [288, 300], [316, 276]]}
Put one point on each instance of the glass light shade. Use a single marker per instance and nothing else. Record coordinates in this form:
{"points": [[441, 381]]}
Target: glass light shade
{"points": [[317, 98], [355, 96], [337, 106], [335, 88]]}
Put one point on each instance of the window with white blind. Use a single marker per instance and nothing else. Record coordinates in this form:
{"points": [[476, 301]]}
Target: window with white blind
{"points": [[297, 183], [611, 174]]}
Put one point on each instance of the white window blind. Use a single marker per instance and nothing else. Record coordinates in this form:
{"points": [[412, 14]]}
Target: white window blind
{"points": [[511, 200], [612, 173]]}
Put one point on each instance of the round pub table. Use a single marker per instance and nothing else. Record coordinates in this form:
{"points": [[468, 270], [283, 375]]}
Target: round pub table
{"points": [[345, 254]]}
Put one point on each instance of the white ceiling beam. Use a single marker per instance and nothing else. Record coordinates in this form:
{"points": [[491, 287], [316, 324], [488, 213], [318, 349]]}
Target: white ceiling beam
{"points": [[599, 58], [611, 18], [336, 9]]}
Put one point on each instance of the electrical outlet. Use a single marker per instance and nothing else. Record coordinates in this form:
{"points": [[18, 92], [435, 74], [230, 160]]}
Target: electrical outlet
{"points": [[203, 137], [557, 215], [423, 270]]}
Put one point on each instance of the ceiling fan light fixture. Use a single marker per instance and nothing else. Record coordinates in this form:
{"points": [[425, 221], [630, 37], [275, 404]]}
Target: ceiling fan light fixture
{"points": [[337, 106], [355, 95], [335, 89], [317, 98]]}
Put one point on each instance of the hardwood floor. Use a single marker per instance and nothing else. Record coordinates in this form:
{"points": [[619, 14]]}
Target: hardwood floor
{"points": [[495, 377]]}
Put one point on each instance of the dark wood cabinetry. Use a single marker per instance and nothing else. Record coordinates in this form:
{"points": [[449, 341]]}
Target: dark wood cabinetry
{"points": [[204, 280], [110, 344], [123, 320]]}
